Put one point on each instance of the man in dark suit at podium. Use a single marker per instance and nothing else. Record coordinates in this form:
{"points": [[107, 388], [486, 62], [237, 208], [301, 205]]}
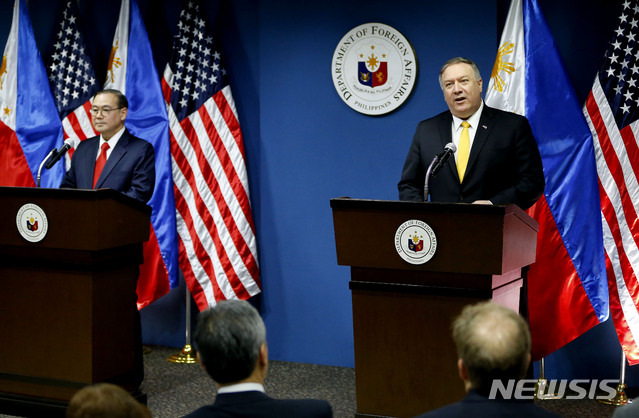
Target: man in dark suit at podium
{"points": [[496, 159], [115, 159], [493, 343], [231, 346]]}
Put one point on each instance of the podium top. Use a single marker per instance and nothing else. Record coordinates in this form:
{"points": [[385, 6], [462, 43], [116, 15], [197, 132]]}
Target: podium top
{"points": [[433, 207], [466, 238], [75, 219], [74, 194]]}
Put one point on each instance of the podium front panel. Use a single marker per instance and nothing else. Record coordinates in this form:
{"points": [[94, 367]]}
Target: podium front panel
{"points": [[405, 357]]}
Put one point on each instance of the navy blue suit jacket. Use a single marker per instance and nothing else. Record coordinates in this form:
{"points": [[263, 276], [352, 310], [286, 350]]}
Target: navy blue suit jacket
{"points": [[475, 405], [504, 165], [258, 404], [130, 169]]}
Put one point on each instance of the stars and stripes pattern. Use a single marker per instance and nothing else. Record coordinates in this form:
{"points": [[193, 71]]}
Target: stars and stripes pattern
{"points": [[612, 111], [72, 78], [218, 251]]}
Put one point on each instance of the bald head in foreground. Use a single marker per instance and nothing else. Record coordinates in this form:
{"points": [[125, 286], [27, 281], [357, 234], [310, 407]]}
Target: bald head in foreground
{"points": [[493, 344]]}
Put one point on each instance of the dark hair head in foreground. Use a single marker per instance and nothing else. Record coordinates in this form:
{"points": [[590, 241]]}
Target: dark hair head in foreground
{"points": [[229, 337]]}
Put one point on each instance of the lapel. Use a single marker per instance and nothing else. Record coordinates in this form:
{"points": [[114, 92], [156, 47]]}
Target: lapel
{"points": [[116, 155], [87, 164], [486, 122], [446, 136]]}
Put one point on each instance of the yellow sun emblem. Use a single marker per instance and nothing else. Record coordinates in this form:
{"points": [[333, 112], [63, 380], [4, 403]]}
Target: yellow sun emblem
{"points": [[3, 70], [372, 61], [500, 64], [113, 61]]}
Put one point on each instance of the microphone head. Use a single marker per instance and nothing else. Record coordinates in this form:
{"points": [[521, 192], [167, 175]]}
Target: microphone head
{"points": [[451, 147], [72, 142]]}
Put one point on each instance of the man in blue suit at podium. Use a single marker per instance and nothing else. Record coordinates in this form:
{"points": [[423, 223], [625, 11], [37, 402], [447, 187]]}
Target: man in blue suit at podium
{"points": [[115, 159]]}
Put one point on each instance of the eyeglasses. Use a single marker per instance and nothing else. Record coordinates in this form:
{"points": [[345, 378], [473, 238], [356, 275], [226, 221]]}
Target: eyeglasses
{"points": [[106, 111]]}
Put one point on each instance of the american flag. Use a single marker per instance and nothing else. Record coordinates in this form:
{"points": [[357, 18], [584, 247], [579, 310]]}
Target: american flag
{"points": [[218, 251], [72, 78], [612, 112]]}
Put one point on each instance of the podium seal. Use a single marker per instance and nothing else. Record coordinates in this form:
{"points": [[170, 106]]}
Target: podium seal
{"points": [[415, 241], [32, 222]]}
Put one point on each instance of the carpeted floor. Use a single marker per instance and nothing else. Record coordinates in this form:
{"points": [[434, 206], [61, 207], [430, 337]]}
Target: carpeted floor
{"points": [[175, 389]]}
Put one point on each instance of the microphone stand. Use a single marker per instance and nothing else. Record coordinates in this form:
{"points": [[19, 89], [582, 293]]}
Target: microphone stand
{"points": [[42, 165], [428, 175]]}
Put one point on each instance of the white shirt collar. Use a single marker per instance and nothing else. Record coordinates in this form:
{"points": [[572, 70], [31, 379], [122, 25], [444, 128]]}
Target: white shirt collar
{"points": [[473, 119], [241, 387], [113, 141]]}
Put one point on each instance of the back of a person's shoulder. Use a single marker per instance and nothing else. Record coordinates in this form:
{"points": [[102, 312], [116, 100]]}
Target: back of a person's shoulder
{"points": [[303, 408], [494, 409], [267, 408]]}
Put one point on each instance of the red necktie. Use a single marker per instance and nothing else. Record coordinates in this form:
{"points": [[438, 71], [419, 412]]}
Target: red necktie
{"points": [[99, 164]]}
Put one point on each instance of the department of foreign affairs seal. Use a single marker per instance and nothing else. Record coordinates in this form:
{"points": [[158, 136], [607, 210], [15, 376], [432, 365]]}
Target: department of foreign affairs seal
{"points": [[32, 222], [374, 69], [415, 241]]}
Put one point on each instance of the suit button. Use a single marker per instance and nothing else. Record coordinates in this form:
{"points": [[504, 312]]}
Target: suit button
{"points": [[461, 197]]}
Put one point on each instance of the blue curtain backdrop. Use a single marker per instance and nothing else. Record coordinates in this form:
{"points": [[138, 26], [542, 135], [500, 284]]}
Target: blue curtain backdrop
{"points": [[305, 146]]}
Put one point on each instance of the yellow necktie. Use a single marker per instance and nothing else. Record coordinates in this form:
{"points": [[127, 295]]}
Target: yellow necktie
{"points": [[463, 151]]}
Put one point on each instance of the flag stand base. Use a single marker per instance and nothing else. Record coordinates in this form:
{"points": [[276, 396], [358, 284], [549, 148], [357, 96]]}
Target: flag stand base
{"points": [[540, 389], [186, 356], [542, 383], [619, 399]]}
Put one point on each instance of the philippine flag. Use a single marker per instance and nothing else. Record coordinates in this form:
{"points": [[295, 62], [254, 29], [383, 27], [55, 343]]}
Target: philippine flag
{"points": [[567, 285], [29, 124], [132, 71]]}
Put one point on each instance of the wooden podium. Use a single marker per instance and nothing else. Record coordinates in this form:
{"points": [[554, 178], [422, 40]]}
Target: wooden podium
{"points": [[405, 357], [67, 302]]}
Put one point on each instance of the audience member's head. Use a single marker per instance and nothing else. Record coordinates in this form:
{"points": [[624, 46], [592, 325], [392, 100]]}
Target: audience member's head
{"points": [[105, 400], [493, 342], [231, 343]]}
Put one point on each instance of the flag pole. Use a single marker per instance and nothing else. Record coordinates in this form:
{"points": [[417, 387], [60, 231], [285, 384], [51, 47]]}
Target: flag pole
{"points": [[187, 355], [620, 397], [540, 386]]}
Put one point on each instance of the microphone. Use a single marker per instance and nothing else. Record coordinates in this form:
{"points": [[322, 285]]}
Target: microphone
{"points": [[68, 144], [449, 150]]}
